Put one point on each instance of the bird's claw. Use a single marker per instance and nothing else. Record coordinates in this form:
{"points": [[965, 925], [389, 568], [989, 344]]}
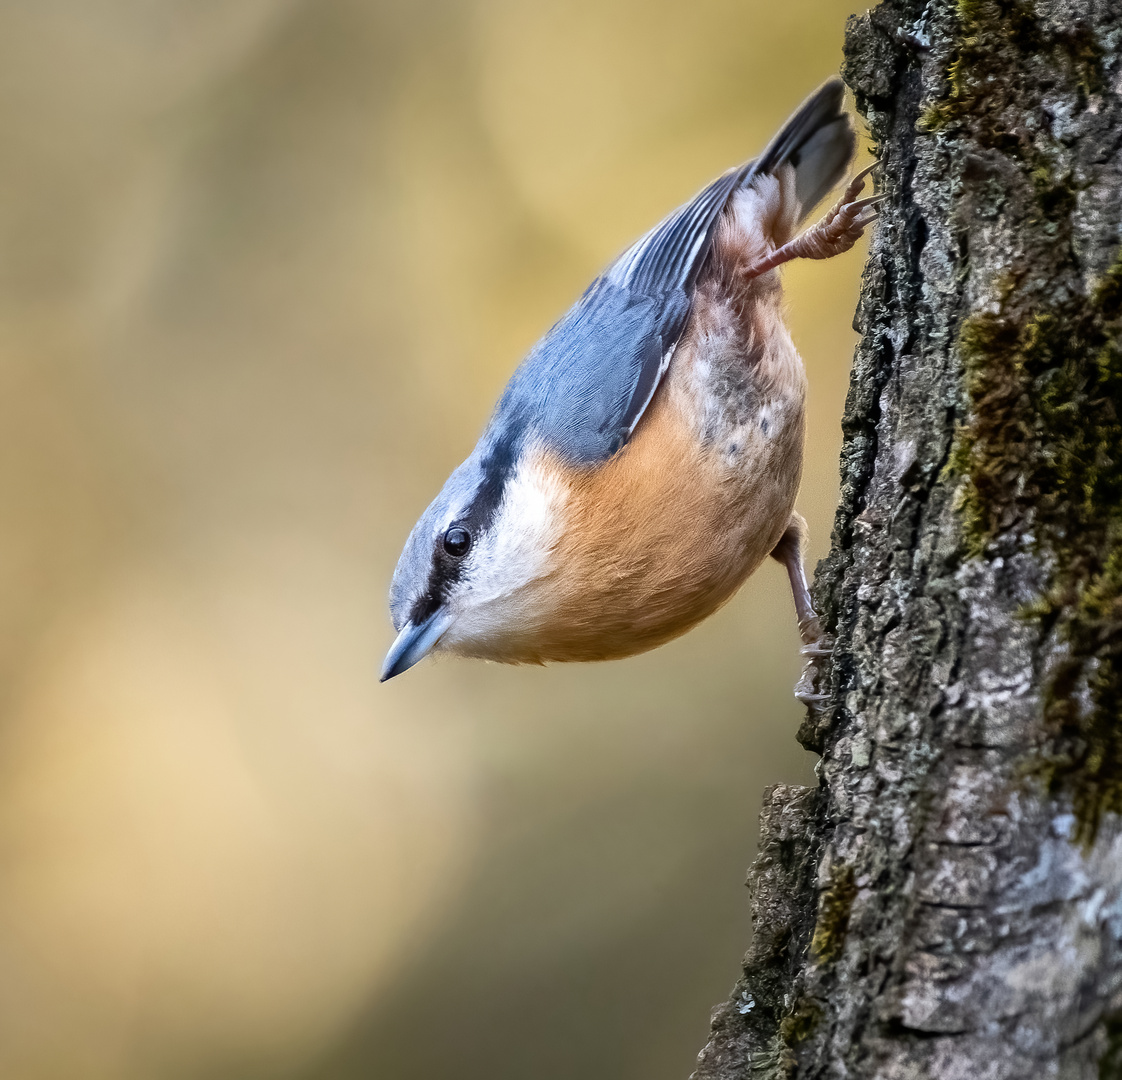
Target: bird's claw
{"points": [[846, 220], [857, 184], [821, 646], [811, 701], [808, 690]]}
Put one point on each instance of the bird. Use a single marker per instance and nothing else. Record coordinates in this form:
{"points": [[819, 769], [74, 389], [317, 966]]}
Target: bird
{"points": [[645, 457]]}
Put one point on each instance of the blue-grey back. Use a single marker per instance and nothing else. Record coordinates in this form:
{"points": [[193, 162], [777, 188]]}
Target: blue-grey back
{"points": [[585, 384]]}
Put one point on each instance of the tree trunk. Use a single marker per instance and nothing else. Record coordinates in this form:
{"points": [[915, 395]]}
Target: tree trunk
{"points": [[948, 901]]}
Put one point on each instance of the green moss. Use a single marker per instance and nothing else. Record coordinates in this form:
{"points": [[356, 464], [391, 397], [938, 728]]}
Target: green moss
{"points": [[971, 12], [799, 1024], [805, 1014], [834, 907], [941, 113], [1042, 455], [987, 30], [984, 26]]}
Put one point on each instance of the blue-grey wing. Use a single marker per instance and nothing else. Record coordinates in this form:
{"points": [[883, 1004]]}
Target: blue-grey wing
{"points": [[672, 253], [587, 383], [577, 390]]}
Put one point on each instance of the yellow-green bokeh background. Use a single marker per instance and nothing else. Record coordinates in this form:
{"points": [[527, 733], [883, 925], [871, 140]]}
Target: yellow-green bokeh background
{"points": [[264, 267]]}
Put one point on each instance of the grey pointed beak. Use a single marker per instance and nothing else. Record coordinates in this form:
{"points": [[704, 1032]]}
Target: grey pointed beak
{"points": [[414, 643]]}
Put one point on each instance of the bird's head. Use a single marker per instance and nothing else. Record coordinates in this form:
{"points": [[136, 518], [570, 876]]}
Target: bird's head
{"points": [[461, 584]]}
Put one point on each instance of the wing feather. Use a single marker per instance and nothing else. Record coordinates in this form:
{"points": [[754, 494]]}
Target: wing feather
{"points": [[671, 254]]}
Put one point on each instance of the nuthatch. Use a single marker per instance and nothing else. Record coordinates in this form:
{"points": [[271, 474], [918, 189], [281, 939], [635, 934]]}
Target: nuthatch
{"points": [[645, 457]]}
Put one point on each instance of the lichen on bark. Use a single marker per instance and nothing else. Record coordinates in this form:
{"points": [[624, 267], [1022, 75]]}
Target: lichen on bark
{"points": [[958, 909]]}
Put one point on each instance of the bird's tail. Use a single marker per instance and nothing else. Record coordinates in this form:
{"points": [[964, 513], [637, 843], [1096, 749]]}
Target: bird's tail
{"points": [[817, 142]]}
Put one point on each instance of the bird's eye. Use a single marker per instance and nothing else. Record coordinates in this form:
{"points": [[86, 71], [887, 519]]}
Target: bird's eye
{"points": [[457, 542]]}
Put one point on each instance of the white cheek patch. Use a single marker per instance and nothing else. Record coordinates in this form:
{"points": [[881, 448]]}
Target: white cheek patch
{"points": [[517, 547], [516, 550]]}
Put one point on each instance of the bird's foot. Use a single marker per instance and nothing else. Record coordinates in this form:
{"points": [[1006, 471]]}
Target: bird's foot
{"points": [[810, 688], [843, 224], [841, 228]]}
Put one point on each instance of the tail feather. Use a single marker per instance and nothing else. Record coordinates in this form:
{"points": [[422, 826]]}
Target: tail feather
{"points": [[818, 142]]}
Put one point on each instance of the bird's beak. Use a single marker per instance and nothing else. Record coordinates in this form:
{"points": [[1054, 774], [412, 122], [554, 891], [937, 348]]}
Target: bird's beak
{"points": [[414, 643]]}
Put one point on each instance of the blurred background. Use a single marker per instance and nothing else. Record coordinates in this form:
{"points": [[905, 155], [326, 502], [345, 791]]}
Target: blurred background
{"points": [[264, 267]]}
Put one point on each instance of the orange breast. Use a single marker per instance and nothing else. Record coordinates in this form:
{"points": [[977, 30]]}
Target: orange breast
{"points": [[665, 532]]}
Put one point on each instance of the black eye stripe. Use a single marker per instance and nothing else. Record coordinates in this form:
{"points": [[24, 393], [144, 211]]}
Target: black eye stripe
{"points": [[446, 569]]}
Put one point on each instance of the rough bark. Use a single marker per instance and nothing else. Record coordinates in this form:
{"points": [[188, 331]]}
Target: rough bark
{"points": [[948, 901]]}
